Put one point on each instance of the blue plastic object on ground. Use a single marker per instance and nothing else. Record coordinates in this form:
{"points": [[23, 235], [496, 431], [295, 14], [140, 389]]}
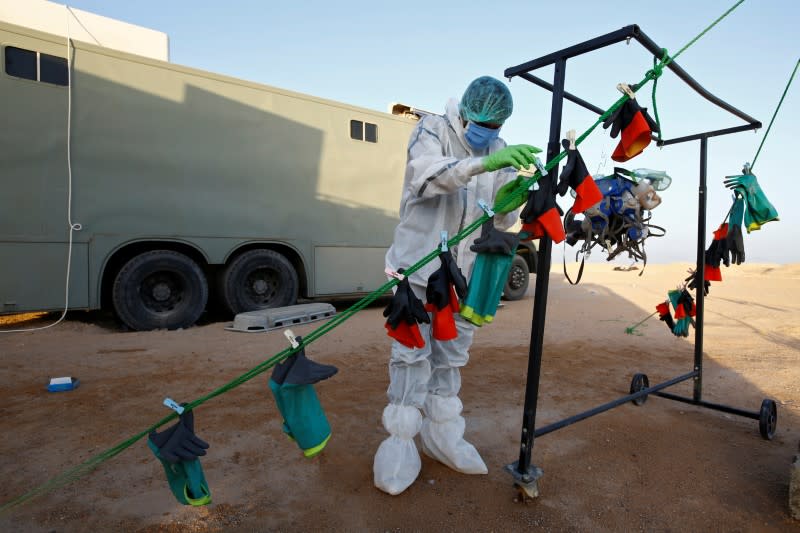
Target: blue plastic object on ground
{"points": [[62, 384]]}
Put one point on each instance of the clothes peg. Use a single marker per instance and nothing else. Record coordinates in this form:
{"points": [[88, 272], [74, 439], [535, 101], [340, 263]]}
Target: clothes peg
{"points": [[571, 139], [486, 209], [175, 406], [746, 168], [624, 88], [443, 245], [396, 275], [540, 166], [289, 334]]}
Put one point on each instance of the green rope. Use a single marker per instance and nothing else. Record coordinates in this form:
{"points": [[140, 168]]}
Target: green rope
{"points": [[86, 467], [664, 56], [632, 329], [775, 114]]}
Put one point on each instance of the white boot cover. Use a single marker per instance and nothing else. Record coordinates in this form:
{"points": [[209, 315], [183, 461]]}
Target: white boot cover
{"points": [[397, 463], [443, 436]]}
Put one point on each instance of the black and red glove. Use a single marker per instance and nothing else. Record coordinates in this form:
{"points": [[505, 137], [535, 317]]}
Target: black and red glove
{"points": [[686, 306], [693, 282], [717, 252], [576, 175], [636, 127], [542, 214], [402, 315], [665, 315], [445, 287]]}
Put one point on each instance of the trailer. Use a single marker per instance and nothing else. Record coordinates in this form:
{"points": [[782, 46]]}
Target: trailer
{"points": [[159, 188]]}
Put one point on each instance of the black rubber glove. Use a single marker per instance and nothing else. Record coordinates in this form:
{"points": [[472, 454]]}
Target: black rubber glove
{"points": [[405, 306], [494, 241], [735, 243], [664, 315], [438, 290], [692, 279], [439, 283], [540, 201], [622, 117], [542, 214], [179, 443], [687, 302], [567, 177]]}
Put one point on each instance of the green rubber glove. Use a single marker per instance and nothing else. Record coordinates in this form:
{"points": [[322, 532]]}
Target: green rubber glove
{"points": [[759, 210], [517, 156], [510, 189]]}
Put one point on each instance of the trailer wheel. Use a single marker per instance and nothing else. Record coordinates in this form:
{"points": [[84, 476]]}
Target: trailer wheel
{"points": [[259, 279], [768, 419], [639, 382], [518, 277], [160, 289]]}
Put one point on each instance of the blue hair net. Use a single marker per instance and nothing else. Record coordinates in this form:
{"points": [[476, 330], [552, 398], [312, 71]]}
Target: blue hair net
{"points": [[486, 100]]}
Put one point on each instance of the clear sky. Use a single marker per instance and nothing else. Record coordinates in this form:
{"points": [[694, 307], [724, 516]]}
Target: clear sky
{"points": [[371, 53]]}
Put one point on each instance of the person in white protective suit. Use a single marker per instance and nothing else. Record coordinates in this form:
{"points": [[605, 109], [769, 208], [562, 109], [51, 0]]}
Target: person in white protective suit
{"points": [[454, 160]]}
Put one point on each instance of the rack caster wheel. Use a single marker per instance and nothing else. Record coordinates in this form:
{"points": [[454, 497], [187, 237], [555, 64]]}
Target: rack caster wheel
{"points": [[526, 493], [638, 383], [768, 419]]}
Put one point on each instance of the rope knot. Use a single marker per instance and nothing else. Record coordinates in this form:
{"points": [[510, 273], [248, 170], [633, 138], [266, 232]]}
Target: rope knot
{"points": [[658, 67]]}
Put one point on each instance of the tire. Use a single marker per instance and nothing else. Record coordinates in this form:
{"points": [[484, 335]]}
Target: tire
{"points": [[259, 279], [160, 289], [518, 278]]}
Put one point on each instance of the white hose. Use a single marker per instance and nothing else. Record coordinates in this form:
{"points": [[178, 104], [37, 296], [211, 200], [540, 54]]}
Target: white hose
{"points": [[72, 226]]}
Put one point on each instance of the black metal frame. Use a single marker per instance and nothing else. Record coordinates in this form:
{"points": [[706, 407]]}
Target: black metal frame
{"points": [[525, 474]]}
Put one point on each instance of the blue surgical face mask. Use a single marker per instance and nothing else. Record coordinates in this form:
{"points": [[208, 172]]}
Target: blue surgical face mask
{"points": [[479, 137]]}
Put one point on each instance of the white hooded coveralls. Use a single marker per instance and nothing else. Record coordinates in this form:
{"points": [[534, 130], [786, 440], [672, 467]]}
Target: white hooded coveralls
{"points": [[444, 180]]}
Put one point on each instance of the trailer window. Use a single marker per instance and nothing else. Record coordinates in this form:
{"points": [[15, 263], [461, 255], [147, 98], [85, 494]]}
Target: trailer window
{"points": [[53, 69], [363, 131], [36, 66], [21, 63], [371, 132]]}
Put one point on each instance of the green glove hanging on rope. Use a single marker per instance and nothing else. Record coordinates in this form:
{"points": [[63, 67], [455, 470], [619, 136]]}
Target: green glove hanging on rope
{"points": [[735, 240], [636, 127], [495, 251], [292, 386], [680, 301], [178, 449], [758, 210], [517, 156]]}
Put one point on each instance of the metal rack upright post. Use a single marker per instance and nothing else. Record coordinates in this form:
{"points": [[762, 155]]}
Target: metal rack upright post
{"points": [[524, 473]]}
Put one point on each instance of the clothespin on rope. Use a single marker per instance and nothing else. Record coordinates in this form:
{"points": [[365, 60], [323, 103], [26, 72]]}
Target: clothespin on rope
{"points": [[175, 406], [443, 245], [486, 209], [625, 89], [396, 275], [289, 334], [571, 138]]}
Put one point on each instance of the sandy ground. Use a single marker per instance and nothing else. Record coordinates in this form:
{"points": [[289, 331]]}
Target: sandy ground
{"points": [[663, 466]]}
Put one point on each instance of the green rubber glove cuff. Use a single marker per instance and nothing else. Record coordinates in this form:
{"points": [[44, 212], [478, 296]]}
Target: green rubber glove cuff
{"points": [[512, 189], [737, 212]]}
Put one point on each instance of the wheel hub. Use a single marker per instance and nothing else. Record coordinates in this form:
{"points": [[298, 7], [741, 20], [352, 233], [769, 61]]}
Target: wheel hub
{"points": [[161, 292], [517, 277], [260, 286]]}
